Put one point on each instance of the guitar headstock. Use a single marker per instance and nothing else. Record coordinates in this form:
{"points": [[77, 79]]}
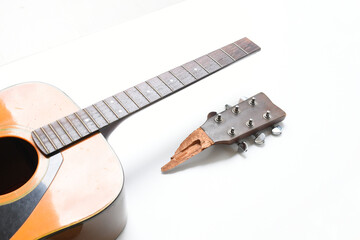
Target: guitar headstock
{"points": [[248, 117]]}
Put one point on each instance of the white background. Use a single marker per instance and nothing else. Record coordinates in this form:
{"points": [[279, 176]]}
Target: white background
{"points": [[30, 26], [304, 184]]}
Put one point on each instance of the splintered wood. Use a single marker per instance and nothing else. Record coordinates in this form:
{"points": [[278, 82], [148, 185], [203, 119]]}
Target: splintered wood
{"points": [[195, 143]]}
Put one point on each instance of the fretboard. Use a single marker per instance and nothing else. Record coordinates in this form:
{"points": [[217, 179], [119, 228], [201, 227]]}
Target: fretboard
{"points": [[64, 132]]}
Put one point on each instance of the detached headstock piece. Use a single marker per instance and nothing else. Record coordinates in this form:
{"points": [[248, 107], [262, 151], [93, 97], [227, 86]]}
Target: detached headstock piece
{"points": [[247, 118]]}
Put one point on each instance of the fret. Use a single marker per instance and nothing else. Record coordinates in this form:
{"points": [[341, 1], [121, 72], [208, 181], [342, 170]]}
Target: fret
{"points": [[72, 125], [127, 102], [48, 137], [45, 140], [240, 47], [65, 131], [170, 81], [144, 95], [87, 119], [189, 72], [148, 92], [82, 122], [50, 134], [77, 125], [111, 109], [171, 90], [176, 78], [131, 99], [247, 46], [235, 52], [56, 133], [116, 107], [195, 69], [96, 116], [159, 86], [208, 64], [158, 93], [201, 65], [106, 112], [69, 129], [137, 97], [118, 100], [185, 76], [41, 142], [227, 54], [101, 114], [221, 58], [215, 61], [92, 119]]}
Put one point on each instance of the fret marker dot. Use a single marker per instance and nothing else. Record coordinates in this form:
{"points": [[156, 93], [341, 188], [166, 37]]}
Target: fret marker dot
{"points": [[171, 80], [195, 69], [111, 101], [148, 91], [120, 111], [86, 120]]}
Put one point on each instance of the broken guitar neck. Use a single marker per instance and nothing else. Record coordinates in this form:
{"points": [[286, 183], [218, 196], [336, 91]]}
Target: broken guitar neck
{"points": [[65, 132], [247, 118]]}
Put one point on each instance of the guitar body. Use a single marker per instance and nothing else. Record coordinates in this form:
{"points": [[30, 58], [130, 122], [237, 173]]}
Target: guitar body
{"points": [[83, 197]]}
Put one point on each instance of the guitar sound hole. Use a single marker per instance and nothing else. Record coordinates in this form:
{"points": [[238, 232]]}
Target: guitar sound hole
{"points": [[18, 162]]}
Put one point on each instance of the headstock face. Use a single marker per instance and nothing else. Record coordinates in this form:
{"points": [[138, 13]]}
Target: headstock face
{"points": [[253, 115]]}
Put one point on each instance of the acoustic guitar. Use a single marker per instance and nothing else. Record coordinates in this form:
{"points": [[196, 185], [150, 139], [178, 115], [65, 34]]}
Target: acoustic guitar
{"points": [[59, 178]]}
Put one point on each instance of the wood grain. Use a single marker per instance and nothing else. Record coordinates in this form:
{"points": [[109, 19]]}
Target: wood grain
{"points": [[195, 143]]}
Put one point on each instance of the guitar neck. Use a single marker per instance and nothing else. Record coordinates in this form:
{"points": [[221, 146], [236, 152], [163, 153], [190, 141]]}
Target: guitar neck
{"points": [[74, 127]]}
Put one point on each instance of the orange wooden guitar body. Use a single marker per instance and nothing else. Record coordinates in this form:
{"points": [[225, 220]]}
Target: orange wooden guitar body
{"points": [[85, 200]]}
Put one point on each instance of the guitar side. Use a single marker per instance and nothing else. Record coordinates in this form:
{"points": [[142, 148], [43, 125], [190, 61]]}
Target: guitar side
{"points": [[85, 199]]}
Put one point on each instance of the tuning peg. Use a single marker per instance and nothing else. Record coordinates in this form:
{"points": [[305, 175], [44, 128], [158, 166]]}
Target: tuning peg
{"points": [[250, 123], [276, 130], [218, 118], [252, 101], [260, 138], [227, 106], [267, 115], [236, 109], [231, 131], [211, 114], [242, 147]]}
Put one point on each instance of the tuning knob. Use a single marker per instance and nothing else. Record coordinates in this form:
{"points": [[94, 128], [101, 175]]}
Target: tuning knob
{"points": [[260, 138], [276, 130], [242, 147]]}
